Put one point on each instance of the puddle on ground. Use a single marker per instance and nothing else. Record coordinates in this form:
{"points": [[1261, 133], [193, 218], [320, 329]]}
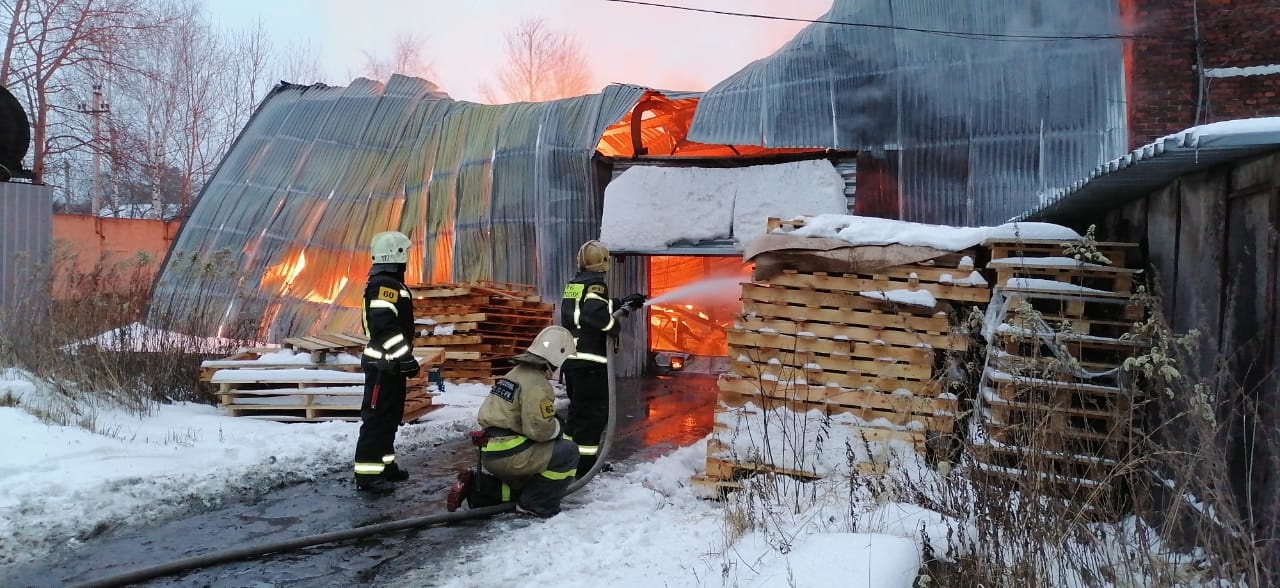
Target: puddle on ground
{"points": [[654, 416]]}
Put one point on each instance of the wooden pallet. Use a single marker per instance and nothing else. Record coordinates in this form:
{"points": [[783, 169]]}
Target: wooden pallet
{"points": [[776, 301], [1078, 496], [826, 371], [1093, 353], [253, 358], [935, 414], [325, 345], [482, 324], [808, 343], [329, 387], [881, 282], [1091, 276], [847, 332], [1016, 387], [1061, 465], [1089, 327], [1120, 254], [329, 397], [314, 408]]}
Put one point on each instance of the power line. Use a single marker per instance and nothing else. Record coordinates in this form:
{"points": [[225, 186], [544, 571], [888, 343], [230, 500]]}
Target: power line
{"points": [[957, 34]]}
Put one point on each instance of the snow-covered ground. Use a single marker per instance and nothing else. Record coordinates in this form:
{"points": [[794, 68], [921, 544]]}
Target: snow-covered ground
{"points": [[60, 482]]}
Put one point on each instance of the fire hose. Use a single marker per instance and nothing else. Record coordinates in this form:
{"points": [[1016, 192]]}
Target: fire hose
{"points": [[251, 551]]}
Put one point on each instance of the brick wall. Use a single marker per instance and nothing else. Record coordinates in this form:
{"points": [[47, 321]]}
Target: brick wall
{"points": [[1162, 76]]}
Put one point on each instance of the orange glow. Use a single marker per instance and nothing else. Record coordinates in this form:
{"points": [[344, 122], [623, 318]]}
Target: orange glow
{"points": [[1128, 19], [442, 269], [290, 278], [697, 329], [657, 127], [282, 275]]}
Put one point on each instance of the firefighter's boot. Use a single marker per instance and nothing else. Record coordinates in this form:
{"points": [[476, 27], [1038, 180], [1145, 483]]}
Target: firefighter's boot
{"points": [[460, 490], [374, 484], [395, 473]]}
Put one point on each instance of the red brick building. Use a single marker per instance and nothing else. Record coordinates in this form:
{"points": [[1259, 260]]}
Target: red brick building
{"points": [[1200, 61]]}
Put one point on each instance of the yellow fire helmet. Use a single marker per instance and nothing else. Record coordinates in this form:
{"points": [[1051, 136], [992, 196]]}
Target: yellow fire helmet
{"points": [[593, 256]]}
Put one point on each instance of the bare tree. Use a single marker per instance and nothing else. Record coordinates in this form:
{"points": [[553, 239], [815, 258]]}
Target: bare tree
{"points": [[408, 57], [54, 50], [190, 91], [300, 63], [251, 55], [542, 64]]}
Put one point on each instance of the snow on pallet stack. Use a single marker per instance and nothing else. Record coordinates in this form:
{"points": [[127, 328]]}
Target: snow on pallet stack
{"points": [[1053, 414], [309, 379], [480, 325], [864, 347]]}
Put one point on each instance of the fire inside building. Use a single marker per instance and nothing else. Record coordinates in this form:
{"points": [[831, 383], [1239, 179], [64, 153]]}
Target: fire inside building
{"points": [[962, 130]]}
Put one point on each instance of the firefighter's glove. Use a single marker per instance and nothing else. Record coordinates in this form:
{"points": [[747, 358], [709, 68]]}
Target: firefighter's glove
{"points": [[408, 366], [634, 301]]}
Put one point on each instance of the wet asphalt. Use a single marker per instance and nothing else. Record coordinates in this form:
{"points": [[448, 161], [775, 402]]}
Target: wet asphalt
{"points": [[655, 416]]}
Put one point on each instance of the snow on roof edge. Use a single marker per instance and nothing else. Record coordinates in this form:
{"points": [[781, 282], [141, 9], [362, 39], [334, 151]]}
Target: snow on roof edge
{"points": [[1237, 132]]}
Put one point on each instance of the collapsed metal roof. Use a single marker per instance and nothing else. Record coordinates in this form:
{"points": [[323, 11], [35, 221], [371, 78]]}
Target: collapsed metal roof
{"points": [[976, 126], [977, 122], [1157, 164], [279, 236]]}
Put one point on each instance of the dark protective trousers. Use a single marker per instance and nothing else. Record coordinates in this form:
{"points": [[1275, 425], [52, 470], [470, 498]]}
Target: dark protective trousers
{"points": [[588, 391], [380, 414], [542, 492]]}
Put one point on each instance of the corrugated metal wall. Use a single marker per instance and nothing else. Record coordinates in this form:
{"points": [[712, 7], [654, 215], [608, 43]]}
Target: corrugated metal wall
{"points": [[505, 193], [26, 236], [981, 125]]}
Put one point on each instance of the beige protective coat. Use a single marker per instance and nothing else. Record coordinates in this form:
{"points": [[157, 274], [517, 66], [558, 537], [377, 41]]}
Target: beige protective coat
{"points": [[531, 413]]}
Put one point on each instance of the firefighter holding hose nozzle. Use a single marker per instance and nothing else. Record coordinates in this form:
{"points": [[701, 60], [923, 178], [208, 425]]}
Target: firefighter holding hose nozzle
{"points": [[593, 318]]}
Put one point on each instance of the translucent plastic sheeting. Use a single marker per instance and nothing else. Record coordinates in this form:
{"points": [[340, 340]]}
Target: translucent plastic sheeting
{"points": [[277, 244], [980, 126]]}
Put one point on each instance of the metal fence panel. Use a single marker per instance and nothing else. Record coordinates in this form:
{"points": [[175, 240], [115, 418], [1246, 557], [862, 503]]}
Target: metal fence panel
{"points": [[26, 239]]}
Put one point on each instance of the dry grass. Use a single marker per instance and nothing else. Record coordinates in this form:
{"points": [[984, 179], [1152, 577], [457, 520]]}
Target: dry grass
{"points": [[46, 338]]}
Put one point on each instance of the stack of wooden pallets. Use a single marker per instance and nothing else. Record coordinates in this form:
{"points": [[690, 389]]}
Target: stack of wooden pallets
{"points": [[871, 345], [1052, 413], [309, 379], [480, 325]]}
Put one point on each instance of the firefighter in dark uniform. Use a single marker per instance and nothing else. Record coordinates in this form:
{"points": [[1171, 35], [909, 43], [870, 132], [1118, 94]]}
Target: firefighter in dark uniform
{"points": [[592, 316], [387, 362], [525, 450]]}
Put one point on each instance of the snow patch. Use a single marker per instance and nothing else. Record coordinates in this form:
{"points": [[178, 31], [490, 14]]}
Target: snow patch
{"points": [[859, 230], [649, 207], [911, 297], [1239, 72]]}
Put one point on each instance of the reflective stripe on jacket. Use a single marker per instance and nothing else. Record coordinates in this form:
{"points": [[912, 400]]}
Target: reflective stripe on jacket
{"points": [[587, 311], [524, 408], [388, 318]]}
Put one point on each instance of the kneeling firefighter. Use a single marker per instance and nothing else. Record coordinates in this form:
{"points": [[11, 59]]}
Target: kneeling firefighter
{"points": [[523, 454]]}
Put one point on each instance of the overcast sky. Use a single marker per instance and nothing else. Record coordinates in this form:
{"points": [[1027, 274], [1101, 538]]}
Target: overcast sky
{"points": [[657, 47]]}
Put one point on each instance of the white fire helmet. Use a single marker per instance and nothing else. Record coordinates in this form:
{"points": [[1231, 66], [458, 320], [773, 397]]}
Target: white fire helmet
{"points": [[390, 247], [554, 344]]}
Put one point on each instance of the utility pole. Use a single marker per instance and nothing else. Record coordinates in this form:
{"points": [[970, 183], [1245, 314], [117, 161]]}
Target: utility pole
{"points": [[96, 109]]}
